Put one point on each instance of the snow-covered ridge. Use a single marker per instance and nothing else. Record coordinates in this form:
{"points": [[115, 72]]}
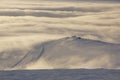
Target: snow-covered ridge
{"points": [[68, 52]]}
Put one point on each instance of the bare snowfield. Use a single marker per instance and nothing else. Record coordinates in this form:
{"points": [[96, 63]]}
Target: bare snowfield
{"points": [[39, 34], [61, 74]]}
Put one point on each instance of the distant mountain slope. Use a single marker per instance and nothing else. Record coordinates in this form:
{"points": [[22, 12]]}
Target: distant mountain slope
{"points": [[74, 52], [69, 52]]}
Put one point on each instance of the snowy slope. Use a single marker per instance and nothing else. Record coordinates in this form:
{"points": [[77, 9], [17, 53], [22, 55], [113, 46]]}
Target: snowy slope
{"points": [[75, 52], [64, 74], [69, 52]]}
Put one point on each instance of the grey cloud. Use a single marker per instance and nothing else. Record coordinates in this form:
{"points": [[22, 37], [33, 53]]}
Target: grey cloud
{"points": [[36, 14]]}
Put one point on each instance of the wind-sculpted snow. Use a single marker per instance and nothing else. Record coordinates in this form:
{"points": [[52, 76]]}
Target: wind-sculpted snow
{"points": [[61, 74], [70, 52]]}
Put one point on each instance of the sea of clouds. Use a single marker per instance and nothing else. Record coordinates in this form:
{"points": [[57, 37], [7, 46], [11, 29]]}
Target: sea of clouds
{"points": [[28, 22]]}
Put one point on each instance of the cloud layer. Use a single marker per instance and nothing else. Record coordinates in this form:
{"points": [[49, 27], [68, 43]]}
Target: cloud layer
{"points": [[86, 19], [25, 23]]}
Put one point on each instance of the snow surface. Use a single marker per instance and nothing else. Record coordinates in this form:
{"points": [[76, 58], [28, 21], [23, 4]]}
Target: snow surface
{"points": [[69, 52], [61, 74]]}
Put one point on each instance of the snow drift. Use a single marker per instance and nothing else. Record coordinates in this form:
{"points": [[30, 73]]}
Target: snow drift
{"points": [[62, 74], [69, 52]]}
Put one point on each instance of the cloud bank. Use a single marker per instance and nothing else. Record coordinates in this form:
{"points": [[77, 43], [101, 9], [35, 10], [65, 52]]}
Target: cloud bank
{"points": [[26, 23]]}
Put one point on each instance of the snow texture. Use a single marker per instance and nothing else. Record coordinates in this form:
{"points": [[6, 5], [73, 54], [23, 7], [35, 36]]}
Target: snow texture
{"points": [[69, 52], [62, 74]]}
